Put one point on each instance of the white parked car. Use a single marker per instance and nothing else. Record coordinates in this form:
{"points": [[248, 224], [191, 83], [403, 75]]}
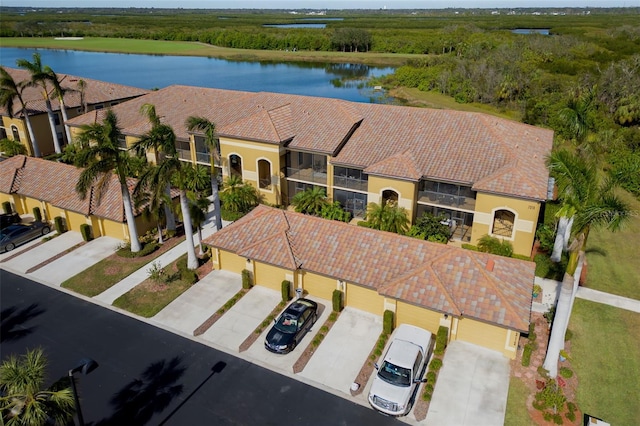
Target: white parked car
{"points": [[401, 370]]}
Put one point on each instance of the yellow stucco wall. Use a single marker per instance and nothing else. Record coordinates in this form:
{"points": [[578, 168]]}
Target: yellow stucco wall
{"points": [[363, 298], [407, 192], [486, 335], [318, 285], [269, 276], [526, 217], [231, 262], [420, 317], [251, 152]]}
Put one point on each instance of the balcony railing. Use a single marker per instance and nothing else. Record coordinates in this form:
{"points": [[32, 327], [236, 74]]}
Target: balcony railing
{"points": [[350, 183], [184, 154], [308, 175], [447, 200], [203, 157]]}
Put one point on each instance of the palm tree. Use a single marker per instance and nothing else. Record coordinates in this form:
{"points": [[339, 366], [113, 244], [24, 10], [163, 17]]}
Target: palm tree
{"points": [[59, 92], [82, 86], [199, 206], [101, 159], [10, 91], [39, 77], [310, 201], [162, 139], [238, 196], [24, 401], [207, 127], [577, 114], [587, 201], [154, 202], [388, 216]]}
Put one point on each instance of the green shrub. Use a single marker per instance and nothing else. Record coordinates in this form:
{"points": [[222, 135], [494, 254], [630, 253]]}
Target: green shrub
{"points": [[6, 207], [545, 268], [441, 340], [285, 290], [431, 377], [58, 223], [85, 231], [230, 216], [470, 247], [181, 264], [565, 372], [571, 416], [333, 316], [435, 364], [189, 276], [493, 245], [37, 215], [387, 322], [427, 396], [146, 249], [526, 354], [246, 279], [336, 300]]}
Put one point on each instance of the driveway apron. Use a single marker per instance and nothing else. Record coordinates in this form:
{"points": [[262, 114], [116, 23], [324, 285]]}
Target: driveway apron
{"points": [[198, 303], [242, 319], [472, 387], [77, 261], [43, 252], [339, 358]]}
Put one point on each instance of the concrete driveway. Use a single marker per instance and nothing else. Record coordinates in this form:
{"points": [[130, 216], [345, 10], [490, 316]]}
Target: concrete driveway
{"points": [[43, 252], [472, 387], [339, 358]]}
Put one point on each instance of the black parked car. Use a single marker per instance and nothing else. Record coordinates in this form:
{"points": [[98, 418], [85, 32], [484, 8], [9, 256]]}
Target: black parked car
{"points": [[291, 326], [7, 219], [14, 235]]}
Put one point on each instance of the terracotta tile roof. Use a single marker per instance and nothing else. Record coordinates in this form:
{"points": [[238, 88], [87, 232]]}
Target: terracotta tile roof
{"points": [[55, 182], [442, 278], [488, 153], [95, 92]]}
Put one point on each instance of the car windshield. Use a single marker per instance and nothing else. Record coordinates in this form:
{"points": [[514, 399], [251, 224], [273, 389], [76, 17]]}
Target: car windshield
{"points": [[395, 375], [287, 324]]}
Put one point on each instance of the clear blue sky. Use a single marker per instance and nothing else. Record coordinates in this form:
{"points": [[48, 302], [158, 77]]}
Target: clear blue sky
{"points": [[324, 4]]}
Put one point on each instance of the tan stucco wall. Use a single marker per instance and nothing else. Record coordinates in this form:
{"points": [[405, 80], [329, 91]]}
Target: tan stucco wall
{"points": [[363, 298], [486, 335], [526, 218], [250, 152], [407, 192], [269, 276], [420, 317], [231, 262], [318, 285]]}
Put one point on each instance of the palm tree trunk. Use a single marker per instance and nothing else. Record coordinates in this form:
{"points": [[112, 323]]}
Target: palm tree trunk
{"points": [[200, 239], [216, 200], [52, 124], [192, 260], [560, 242], [34, 143], [65, 118], [567, 233], [131, 220], [168, 211], [160, 239]]}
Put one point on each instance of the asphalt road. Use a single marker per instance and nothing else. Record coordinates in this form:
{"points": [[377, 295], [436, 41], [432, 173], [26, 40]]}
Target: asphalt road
{"points": [[147, 375]]}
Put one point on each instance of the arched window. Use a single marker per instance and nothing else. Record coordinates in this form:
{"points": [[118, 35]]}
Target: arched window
{"points": [[503, 221], [389, 195], [264, 174], [235, 165], [16, 134]]}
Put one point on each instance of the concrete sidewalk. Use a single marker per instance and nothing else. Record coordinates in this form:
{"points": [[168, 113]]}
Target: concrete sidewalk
{"points": [[608, 299], [77, 261]]}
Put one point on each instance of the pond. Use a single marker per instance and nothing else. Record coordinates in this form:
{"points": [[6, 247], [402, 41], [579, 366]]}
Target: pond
{"points": [[542, 31], [343, 81], [309, 25]]}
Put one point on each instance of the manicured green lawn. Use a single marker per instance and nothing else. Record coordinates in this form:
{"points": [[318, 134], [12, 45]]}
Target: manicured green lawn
{"points": [[605, 352], [150, 297], [517, 414], [613, 257]]}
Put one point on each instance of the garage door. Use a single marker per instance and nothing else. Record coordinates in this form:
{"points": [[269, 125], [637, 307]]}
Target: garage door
{"points": [[364, 299], [232, 262], [318, 286], [478, 333], [420, 317], [269, 276]]}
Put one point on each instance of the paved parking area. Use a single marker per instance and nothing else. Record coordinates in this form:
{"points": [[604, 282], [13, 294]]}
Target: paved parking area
{"points": [[472, 387], [343, 351], [203, 299], [77, 261], [44, 251], [242, 319]]}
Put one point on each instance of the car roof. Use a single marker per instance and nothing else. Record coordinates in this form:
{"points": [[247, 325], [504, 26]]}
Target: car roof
{"points": [[402, 353], [299, 306]]}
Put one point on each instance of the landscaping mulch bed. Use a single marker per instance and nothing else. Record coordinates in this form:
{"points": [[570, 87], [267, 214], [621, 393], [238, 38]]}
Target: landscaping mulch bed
{"points": [[51, 259], [311, 348], [365, 372]]}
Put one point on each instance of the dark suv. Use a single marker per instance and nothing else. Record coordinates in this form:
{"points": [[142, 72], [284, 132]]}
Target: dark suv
{"points": [[7, 219]]}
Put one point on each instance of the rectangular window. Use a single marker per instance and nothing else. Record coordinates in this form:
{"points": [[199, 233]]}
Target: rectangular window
{"points": [[353, 202]]}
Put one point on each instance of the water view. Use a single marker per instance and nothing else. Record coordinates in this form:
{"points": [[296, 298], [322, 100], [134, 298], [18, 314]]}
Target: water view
{"points": [[343, 81]]}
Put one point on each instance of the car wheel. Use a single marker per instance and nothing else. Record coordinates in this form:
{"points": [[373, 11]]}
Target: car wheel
{"points": [[293, 345], [45, 230], [9, 247]]}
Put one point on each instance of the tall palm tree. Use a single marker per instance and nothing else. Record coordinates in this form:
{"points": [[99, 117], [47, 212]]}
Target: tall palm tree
{"points": [[587, 201], [101, 159], [162, 139], [207, 127], [10, 91], [199, 206], [59, 92], [310, 201], [82, 87], [24, 400], [154, 201], [39, 78]]}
